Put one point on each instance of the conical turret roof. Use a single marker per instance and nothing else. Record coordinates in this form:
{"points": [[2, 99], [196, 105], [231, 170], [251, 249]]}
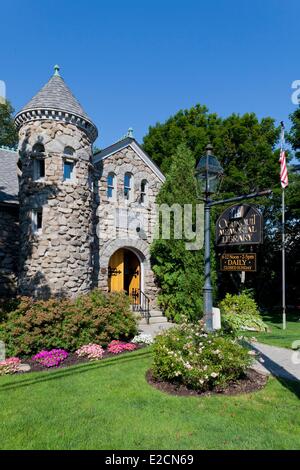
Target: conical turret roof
{"points": [[56, 96]]}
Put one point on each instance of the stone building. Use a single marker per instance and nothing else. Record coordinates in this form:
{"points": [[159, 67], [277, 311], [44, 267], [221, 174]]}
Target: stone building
{"points": [[71, 220]]}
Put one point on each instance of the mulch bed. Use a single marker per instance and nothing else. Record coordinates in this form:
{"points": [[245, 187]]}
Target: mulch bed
{"points": [[251, 382], [71, 360]]}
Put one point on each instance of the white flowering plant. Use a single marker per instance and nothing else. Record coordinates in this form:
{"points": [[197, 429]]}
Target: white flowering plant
{"points": [[142, 339], [187, 355]]}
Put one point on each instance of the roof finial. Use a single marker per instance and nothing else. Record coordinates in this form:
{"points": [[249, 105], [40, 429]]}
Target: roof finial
{"points": [[56, 70], [130, 133]]}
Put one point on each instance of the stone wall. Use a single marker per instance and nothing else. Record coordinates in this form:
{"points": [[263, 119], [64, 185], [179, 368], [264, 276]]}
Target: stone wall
{"points": [[119, 219], [58, 260], [9, 249]]}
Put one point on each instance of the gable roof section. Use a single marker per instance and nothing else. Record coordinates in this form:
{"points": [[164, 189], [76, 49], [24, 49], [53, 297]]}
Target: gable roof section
{"points": [[129, 142], [9, 185]]}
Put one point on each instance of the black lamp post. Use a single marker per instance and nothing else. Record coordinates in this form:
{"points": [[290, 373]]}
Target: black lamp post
{"points": [[209, 174]]}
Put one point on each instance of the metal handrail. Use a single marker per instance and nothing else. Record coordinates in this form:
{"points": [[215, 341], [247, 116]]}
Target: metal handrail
{"points": [[140, 303]]}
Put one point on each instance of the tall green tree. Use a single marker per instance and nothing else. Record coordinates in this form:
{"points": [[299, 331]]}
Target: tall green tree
{"points": [[8, 133], [179, 271]]}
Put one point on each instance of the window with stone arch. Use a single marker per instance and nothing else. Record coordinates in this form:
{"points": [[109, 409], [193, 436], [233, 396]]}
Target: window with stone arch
{"points": [[38, 148], [111, 189], [144, 192], [69, 151], [128, 186], [38, 153]]}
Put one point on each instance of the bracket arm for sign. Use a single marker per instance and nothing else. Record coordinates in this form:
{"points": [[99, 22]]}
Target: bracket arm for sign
{"points": [[267, 192]]}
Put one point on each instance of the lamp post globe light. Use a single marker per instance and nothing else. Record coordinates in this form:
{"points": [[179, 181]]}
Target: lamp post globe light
{"points": [[209, 174]]}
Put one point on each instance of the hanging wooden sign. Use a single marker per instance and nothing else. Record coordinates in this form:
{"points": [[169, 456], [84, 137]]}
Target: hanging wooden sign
{"points": [[239, 225], [238, 262]]}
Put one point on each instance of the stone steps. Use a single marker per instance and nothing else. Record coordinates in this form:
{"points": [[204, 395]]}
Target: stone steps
{"points": [[153, 320], [157, 323]]}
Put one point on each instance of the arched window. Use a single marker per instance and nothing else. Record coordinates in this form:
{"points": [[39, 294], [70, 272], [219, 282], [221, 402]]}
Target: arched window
{"points": [[69, 151], [144, 192], [38, 148], [128, 186], [111, 186], [38, 151]]}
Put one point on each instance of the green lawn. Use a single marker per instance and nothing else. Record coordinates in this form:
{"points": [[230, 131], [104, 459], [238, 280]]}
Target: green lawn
{"points": [[109, 405], [277, 336]]}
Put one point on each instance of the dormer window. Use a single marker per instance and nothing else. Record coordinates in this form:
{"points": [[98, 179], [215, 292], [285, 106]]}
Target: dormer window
{"points": [[128, 186], [144, 192], [111, 186]]}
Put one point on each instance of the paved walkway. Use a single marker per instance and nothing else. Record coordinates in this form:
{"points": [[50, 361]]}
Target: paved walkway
{"points": [[280, 362]]}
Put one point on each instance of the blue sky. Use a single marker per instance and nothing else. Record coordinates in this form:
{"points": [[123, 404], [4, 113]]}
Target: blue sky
{"points": [[134, 63]]}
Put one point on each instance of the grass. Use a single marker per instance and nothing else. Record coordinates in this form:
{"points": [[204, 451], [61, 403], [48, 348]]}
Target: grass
{"points": [[277, 336], [109, 405]]}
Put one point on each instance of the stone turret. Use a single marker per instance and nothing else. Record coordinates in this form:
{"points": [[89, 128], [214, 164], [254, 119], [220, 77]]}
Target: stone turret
{"points": [[56, 193]]}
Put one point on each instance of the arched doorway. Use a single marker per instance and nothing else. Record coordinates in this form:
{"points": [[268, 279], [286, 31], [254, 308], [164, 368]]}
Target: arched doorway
{"points": [[124, 273]]}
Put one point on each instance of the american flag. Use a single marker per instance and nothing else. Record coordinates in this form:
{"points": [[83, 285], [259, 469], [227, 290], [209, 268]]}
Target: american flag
{"points": [[283, 168]]}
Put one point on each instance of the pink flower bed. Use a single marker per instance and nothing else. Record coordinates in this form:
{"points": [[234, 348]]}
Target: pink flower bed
{"points": [[51, 358], [92, 351], [10, 366], [116, 347]]}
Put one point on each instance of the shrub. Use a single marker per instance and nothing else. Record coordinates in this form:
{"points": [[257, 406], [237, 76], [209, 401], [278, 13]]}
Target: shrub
{"points": [[68, 324], [10, 366], [186, 354], [116, 347], [240, 312], [51, 358], [142, 339], [92, 351]]}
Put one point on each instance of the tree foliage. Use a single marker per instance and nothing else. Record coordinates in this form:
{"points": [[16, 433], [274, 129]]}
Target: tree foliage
{"points": [[247, 148], [8, 133], [179, 271]]}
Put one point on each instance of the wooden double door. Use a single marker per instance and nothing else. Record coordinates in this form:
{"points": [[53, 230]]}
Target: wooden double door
{"points": [[124, 272]]}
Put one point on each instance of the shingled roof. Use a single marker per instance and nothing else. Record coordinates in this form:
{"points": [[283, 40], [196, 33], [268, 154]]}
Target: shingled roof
{"points": [[55, 100], [9, 186], [56, 95]]}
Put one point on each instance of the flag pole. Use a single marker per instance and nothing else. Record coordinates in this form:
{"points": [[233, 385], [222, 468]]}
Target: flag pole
{"points": [[284, 183], [283, 262]]}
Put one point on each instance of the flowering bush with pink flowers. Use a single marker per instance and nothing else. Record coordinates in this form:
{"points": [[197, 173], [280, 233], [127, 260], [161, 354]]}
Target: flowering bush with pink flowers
{"points": [[92, 351], [10, 366], [51, 358], [116, 347]]}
